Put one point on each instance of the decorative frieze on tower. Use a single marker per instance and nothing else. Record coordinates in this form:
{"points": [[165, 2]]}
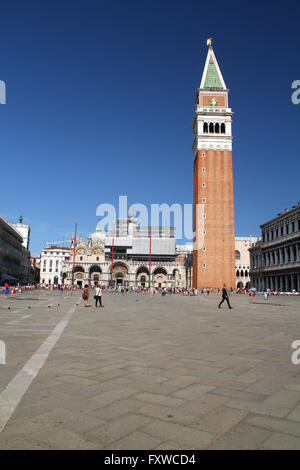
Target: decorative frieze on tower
{"points": [[214, 248]]}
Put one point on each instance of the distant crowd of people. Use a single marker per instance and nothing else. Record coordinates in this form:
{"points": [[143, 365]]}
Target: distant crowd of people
{"points": [[8, 289], [189, 291]]}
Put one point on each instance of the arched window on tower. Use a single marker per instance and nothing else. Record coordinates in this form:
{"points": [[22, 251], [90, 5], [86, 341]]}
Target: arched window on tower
{"points": [[205, 128], [217, 128], [222, 128], [211, 128]]}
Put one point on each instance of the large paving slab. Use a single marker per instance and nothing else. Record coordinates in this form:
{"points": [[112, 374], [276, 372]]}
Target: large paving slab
{"points": [[149, 372]]}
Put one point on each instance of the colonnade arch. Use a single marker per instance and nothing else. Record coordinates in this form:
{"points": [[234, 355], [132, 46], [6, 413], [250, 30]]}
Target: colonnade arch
{"points": [[159, 277], [119, 273], [142, 276], [78, 275], [95, 273]]}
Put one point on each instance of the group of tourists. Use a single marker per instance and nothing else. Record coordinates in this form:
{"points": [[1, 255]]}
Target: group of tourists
{"points": [[97, 295]]}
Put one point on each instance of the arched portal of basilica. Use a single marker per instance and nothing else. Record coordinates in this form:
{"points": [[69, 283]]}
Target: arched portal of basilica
{"points": [[119, 272]]}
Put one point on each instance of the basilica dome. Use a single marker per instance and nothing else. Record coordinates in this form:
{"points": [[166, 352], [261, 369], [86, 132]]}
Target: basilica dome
{"points": [[98, 236]]}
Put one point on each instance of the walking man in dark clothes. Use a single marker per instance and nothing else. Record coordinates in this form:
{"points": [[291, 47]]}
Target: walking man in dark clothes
{"points": [[224, 297]]}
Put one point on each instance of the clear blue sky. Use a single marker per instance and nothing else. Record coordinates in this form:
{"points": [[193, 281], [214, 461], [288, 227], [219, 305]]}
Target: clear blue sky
{"points": [[100, 102]]}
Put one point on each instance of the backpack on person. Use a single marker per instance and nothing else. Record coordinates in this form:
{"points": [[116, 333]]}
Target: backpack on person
{"points": [[85, 294]]}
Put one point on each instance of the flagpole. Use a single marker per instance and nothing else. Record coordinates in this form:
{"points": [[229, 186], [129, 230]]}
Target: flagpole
{"points": [[74, 251], [150, 257], [112, 251]]}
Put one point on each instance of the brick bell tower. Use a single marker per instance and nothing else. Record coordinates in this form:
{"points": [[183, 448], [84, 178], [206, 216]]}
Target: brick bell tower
{"points": [[214, 244]]}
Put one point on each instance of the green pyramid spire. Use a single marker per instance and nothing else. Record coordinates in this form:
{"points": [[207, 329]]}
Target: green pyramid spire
{"points": [[212, 79]]}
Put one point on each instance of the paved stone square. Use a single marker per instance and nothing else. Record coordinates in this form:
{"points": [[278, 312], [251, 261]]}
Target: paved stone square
{"points": [[146, 372]]}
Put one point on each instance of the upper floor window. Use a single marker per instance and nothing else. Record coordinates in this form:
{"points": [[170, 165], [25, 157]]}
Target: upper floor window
{"points": [[237, 254]]}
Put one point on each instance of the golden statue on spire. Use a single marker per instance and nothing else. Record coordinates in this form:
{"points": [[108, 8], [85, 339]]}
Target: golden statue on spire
{"points": [[209, 42]]}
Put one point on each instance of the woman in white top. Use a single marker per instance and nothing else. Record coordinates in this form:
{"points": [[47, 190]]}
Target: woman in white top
{"points": [[98, 296]]}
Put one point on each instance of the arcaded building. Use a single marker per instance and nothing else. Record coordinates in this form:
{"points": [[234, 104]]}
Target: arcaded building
{"points": [[14, 254], [129, 255], [242, 260], [275, 258]]}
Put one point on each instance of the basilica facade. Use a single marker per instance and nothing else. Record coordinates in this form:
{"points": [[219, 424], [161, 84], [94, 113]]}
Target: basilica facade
{"points": [[129, 255]]}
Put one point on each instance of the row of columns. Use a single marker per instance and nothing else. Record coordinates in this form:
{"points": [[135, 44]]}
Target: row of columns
{"points": [[278, 283], [280, 231], [287, 254]]}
